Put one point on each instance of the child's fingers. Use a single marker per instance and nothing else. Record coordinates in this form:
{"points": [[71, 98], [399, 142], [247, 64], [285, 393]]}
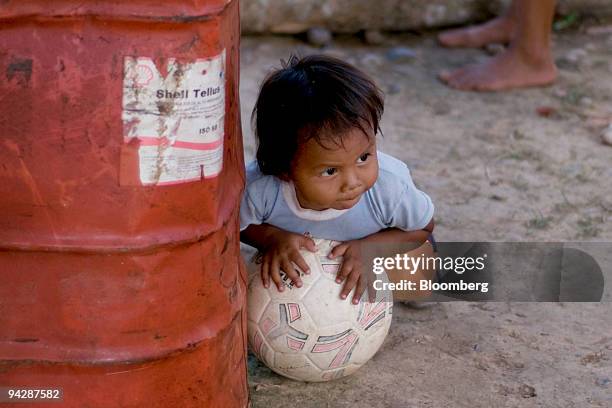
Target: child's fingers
{"points": [[297, 259], [275, 274], [361, 286], [338, 250], [349, 285], [291, 272], [265, 273], [345, 270], [308, 243]]}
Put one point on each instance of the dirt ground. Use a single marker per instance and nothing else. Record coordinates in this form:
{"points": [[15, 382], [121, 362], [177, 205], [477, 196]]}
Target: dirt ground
{"points": [[497, 170]]}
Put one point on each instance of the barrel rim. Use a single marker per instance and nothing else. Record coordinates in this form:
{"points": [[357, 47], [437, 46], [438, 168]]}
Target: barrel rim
{"points": [[129, 11]]}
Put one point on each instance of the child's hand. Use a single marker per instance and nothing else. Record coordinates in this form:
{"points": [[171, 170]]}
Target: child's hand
{"points": [[351, 270], [282, 251]]}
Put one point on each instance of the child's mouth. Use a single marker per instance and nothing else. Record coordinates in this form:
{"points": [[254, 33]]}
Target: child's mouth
{"points": [[350, 199]]}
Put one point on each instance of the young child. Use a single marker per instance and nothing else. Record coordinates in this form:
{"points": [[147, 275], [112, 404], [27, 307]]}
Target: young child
{"points": [[318, 173]]}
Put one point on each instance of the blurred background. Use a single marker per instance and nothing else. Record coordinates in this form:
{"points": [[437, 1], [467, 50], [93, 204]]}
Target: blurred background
{"points": [[353, 16]]}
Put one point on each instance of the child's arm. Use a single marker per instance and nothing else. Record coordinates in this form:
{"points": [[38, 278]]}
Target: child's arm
{"points": [[279, 248], [353, 271]]}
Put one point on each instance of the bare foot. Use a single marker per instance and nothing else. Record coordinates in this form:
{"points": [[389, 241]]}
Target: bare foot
{"points": [[498, 30], [508, 70]]}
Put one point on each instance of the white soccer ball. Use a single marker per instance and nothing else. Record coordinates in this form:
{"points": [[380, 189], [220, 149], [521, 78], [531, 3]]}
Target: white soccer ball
{"points": [[309, 333]]}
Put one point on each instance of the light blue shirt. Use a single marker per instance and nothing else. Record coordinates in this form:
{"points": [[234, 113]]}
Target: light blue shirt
{"points": [[393, 202]]}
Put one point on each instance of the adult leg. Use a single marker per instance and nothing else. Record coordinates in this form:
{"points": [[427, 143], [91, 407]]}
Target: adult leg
{"points": [[497, 30], [528, 60]]}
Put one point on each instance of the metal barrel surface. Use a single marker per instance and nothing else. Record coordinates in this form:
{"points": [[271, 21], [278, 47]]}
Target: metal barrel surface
{"points": [[121, 169]]}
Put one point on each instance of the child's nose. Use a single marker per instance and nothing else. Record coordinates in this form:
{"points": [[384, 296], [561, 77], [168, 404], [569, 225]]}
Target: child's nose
{"points": [[351, 182]]}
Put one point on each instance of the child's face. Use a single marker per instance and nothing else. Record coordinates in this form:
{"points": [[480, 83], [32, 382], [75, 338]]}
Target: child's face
{"points": [[335, 176]]}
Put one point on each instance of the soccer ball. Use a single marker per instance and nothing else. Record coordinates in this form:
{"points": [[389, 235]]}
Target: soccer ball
{"points": [[309, 333]]}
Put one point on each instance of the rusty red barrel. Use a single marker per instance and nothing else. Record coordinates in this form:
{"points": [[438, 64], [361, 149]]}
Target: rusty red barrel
{"points": [[120, 176]]}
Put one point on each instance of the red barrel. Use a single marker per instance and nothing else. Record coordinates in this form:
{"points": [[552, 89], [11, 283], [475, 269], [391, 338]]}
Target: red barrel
{"points": [[121, 169]]}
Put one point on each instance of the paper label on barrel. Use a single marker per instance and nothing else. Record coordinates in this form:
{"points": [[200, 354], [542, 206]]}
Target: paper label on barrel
{"points": [[174, 120]]}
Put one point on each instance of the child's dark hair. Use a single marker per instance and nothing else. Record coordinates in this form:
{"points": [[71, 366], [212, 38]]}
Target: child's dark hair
{"points": [[316, 97]]}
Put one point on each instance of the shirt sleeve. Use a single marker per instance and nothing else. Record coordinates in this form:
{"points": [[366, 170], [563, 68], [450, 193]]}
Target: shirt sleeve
{"points": [[414, 209], [249, 213], [259, 197], [398, 201]]}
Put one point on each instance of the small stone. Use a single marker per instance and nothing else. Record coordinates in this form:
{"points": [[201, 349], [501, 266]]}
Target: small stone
{"points": [[527, 391], [373, 37], [393, 89], [560, 92], [603, 382], [586, 101], [606, 135], [576, 55], [319, 36], [371, 59], [441, 108], [400, 54], [565, 64], [546, 111], [517, 135], [494, 49]]}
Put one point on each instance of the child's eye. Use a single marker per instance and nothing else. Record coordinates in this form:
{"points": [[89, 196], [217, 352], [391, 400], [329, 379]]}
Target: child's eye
{"points": [[329, 172], [363, 157]]}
